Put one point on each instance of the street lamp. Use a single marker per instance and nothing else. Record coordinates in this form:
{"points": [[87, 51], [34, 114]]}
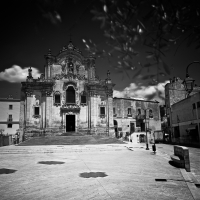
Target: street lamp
{"points": [[146, 121], [188, 81]]}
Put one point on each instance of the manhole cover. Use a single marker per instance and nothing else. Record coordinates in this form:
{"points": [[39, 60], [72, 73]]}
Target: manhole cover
{"points": [[92, 174], [7, 171], [51, 162]]}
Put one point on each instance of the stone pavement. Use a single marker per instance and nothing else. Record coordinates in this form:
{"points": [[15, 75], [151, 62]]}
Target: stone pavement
{"points": [[86, 172]]}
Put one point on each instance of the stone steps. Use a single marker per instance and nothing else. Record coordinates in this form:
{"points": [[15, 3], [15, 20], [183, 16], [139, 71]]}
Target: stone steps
{"points": [[60, 149]]}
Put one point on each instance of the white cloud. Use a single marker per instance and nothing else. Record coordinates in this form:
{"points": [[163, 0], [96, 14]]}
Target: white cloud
{"points": [[16, 74], [155, 92]]}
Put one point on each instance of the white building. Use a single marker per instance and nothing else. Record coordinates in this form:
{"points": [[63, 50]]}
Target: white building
{"points": [[9, 115]]}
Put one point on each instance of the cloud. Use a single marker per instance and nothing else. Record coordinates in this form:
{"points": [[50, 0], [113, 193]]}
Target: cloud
{"points": [[155, 92], [16, 74]]}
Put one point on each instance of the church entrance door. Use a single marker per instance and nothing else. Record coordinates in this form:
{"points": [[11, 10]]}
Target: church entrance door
{"points": [[70, 123]]}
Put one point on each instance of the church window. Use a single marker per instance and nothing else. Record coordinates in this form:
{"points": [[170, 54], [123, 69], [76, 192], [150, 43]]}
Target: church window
{"points": [[36, 110], [83, 99], [70, 95], [102, 112], [57, 98]]}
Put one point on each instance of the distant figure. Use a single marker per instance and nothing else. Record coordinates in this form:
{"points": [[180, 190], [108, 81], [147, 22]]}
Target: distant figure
{"points": [[13, 139]]}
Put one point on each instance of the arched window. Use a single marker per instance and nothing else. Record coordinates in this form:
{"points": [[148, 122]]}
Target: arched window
{"points": [[57, 99], [70, 95]]}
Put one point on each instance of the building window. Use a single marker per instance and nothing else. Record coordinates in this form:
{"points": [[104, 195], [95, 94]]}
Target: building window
{"points": [[83, 98], [102, 111], [129, 112], [57, 98], [139, 111], [70, 95], [37, 111], [138, 123], [10, 107], [198, 104], [9, 126], [150, 113], [194, 106], [114, 112], [9, 118]]}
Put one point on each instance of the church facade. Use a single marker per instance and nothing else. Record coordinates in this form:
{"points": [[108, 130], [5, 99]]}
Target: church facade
{"points": [[68, 97]]}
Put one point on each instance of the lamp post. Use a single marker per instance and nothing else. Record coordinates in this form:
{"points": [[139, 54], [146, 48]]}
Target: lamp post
{"points": [[147, 145], [188, 81]]}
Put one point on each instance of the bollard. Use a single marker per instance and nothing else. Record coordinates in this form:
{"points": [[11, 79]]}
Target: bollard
{"points": [[154, 148]]}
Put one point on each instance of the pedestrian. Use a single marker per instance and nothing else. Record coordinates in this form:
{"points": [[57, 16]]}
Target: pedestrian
{"points": [[13, 139], [18, 138]]}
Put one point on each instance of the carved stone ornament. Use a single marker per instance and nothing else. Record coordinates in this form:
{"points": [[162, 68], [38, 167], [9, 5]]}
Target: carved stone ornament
{"points": [[36, 116], [46, 93], [29, 93], [36, 104], [69, 76], [70, 113]]}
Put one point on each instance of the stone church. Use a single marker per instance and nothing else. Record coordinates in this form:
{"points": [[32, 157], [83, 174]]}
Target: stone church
{"points": [[68, 97]]}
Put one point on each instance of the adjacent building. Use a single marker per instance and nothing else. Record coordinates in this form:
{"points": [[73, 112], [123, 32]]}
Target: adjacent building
{"points": [[136, 117], [186, 120], [9, 115], [175, 98]]}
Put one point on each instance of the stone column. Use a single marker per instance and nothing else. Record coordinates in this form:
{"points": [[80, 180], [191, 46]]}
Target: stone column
{"points": [[43, 111]]}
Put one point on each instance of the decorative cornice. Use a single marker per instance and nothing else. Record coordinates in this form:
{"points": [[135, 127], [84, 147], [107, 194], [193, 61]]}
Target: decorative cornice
{"points": [[69, 76]]}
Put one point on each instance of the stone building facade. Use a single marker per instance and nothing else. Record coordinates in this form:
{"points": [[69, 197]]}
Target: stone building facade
{"points": [[174, 93], [136, 117], [186, 120], [9, 115], [68, 97]]}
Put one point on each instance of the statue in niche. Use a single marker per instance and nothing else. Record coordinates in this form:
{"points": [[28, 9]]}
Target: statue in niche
{"points": [[70, 66], [63, 66]]}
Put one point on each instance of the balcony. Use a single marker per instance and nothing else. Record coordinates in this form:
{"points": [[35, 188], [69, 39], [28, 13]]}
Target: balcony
{"points": [[102, 116], [36, 116]]}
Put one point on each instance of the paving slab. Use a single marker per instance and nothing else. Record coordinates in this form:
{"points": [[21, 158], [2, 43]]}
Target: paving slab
{"points": [[89, 172]]}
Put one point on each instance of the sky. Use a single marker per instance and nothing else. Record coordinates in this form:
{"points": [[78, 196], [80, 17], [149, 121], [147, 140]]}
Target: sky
{"points": [[29, 29]]}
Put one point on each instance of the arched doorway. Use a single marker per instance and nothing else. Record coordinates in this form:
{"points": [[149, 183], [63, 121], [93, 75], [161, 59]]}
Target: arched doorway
{"points": [[116, 128], [70, 95]]}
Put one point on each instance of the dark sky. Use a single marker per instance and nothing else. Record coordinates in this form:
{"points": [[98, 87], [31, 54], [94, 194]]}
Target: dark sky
{"points": [[28, 30]]}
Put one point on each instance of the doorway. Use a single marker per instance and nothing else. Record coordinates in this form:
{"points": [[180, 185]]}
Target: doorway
{"points": [[70, 123]]}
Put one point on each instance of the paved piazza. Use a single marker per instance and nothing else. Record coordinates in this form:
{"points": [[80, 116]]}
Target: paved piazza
{"points": [[88, 172]]}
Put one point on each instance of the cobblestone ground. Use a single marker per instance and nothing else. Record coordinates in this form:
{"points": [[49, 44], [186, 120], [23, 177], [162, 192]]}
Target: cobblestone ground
{"points": [[88, 172]]}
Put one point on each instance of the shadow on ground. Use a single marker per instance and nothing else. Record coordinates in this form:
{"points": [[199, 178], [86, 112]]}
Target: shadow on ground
{"points": [[7, 171], [51, 162], [92, 174]]}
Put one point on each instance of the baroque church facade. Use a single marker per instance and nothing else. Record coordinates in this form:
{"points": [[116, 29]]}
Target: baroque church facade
{"points": [[68, 97]]}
